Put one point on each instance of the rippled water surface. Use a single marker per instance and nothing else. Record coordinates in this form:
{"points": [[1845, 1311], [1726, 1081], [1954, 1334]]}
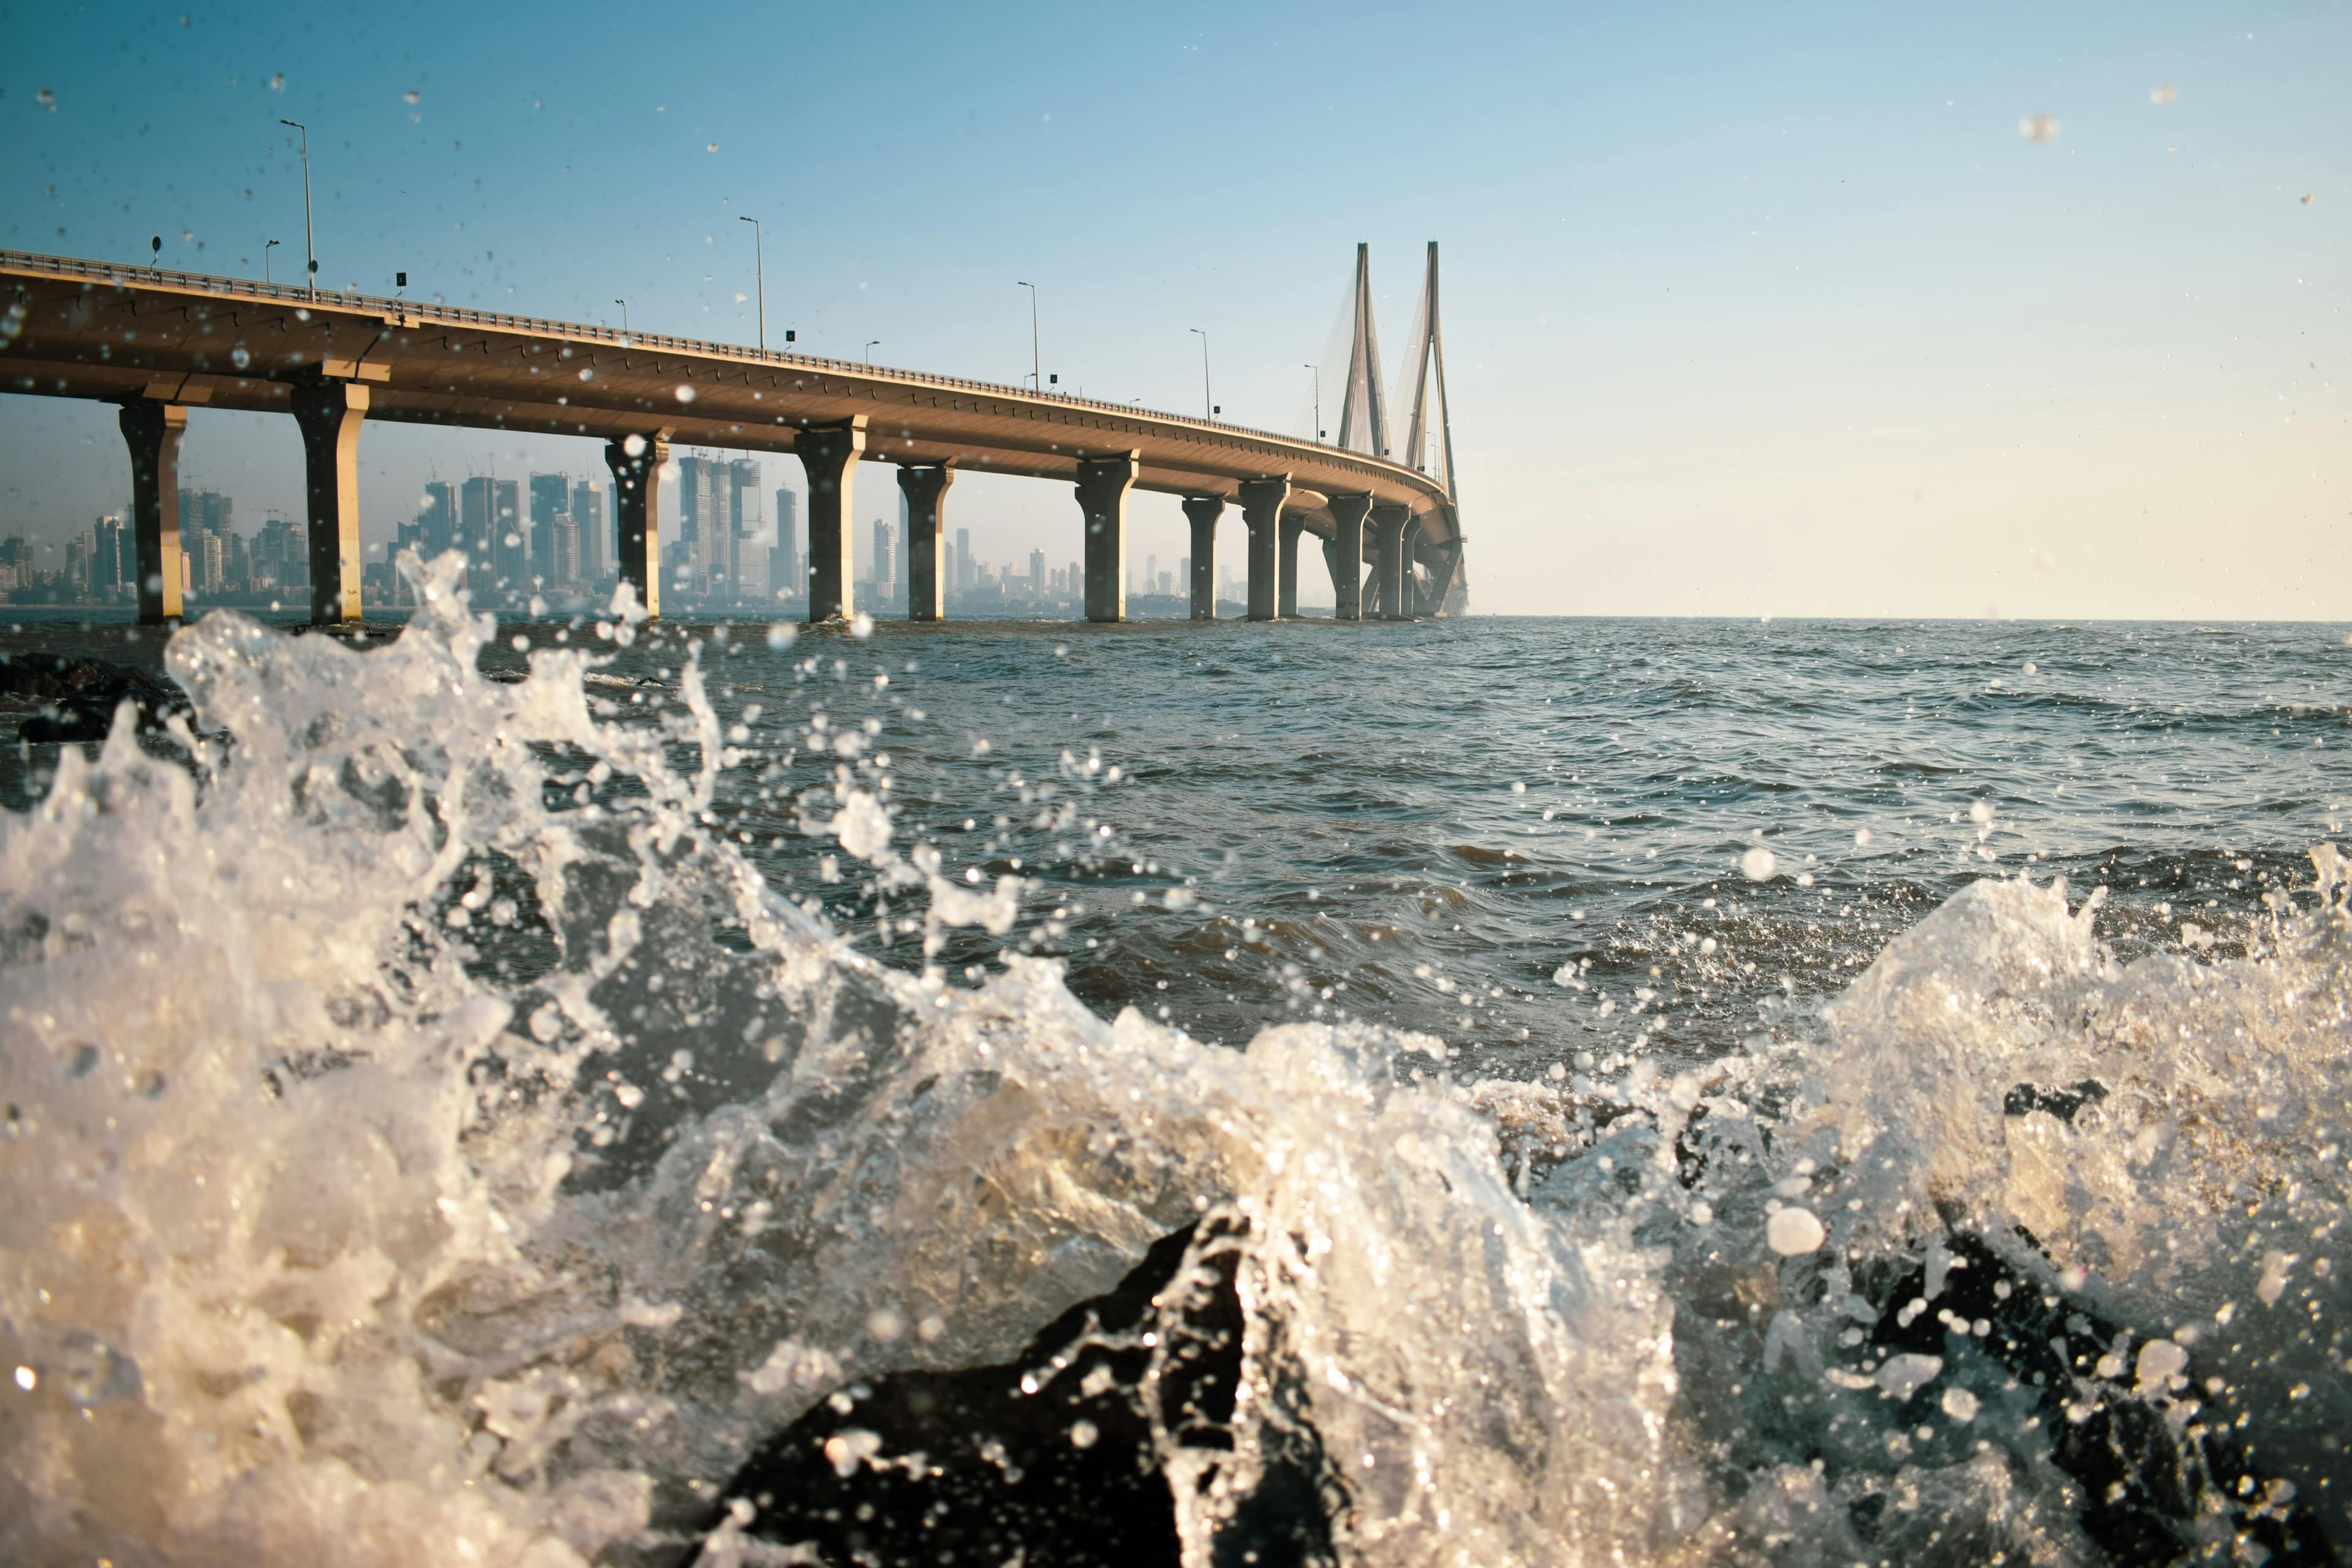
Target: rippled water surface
{"points": [[1587, 886]]}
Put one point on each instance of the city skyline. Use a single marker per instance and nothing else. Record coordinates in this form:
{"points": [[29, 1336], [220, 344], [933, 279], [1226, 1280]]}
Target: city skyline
{"points": [[1803, 314]]}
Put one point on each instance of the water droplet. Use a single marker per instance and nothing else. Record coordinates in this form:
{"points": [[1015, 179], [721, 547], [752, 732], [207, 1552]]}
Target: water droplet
{"points": [[1793, 1232], [1758, 864]]}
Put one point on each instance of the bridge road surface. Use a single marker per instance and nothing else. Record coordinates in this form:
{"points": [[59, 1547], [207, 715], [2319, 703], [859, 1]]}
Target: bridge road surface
{"points": [[158, 341]]}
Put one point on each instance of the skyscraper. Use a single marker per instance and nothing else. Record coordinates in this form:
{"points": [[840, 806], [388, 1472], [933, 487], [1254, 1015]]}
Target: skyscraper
{"points": [[549, 494], [747, 543], [563, 552], [106, 573], [885, 559], [704, 521], [513, 554], [1037, 572], [963, 561], [437, 525], [784, 574], [596, 529], [477, 506]]}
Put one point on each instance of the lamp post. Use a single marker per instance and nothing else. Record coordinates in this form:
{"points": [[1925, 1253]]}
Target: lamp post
{"points": [[1037, 382], [264, 258], [625, 316], [1318, 398], [871, 345], [309, 244], [1206, 406], [759, 271]]}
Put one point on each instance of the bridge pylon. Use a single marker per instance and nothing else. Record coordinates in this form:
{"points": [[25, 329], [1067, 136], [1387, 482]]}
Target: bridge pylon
{"points": [[1429, 443]]}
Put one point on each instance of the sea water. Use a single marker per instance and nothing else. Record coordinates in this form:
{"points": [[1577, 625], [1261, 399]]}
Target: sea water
{"points": [[469, 1086]]}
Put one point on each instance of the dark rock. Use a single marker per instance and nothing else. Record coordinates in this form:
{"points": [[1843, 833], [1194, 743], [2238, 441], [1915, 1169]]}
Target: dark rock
{"points": [[970, 1468], [2143, 1484], [76, 697]]}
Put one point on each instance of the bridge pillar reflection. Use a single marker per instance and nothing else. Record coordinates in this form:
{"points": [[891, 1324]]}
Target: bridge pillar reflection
{"points": [[1262, 512], [152, 432], [925, 491], [1202, 513], [1285, 597], [1392, 571], [1103, 484], [829, 457], [636, 462], [329, 414], [1345, 553]]}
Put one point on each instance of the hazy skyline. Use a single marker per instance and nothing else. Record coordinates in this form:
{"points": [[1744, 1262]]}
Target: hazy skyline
{"points": [[1746, 313]]}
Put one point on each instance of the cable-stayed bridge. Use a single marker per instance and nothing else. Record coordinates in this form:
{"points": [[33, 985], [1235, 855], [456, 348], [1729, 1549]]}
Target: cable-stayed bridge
{"points": [[157, 342]]}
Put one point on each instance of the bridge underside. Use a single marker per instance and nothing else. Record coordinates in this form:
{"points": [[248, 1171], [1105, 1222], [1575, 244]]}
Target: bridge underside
{"points": [[81, 330]]}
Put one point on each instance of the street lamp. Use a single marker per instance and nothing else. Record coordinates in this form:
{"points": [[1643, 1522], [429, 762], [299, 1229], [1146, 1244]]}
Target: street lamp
{"points": [[871, 345], [1318, 398], [625, 316], [265, 257], [760, 270], [1205, 406], [1036, 383], [309, 245]]}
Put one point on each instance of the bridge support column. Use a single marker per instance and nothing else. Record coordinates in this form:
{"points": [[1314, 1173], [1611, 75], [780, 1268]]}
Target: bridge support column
{"points": [[1392, 571], [925, 490], [331, 413], [1286, 599], [1202, 513], [152, 432], [1103, 484], [1347, 556], [636, 462], [829, 457], [1262, 512]]}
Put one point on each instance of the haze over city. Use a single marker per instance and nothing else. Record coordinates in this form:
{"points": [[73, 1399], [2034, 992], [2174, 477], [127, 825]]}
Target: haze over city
{"points": [[1827, 311]]}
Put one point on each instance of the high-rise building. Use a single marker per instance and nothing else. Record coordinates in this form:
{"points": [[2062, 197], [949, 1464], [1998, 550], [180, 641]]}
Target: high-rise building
{"points": [[596, 544], [885, 559], [1151, 574], [963, 577], [1076, 581], [204, 562], [437, 525], [785, 576], [513, 548], [106, 573], [550, 495], [282, 552], [1184, 574], [705, 520], [563, 552], [747, 534], [477, 510], [1037, 574]]}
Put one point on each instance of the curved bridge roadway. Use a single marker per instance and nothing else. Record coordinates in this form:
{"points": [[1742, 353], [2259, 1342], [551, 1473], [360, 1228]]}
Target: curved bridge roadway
{"points": [[158, 341]]}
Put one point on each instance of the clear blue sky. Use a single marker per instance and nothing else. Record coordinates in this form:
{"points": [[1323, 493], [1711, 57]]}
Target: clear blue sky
{"points": [[1750, 309]]}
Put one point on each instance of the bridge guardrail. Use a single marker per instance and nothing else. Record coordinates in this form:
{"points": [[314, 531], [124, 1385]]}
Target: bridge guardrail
{"points": [[298, 294]]}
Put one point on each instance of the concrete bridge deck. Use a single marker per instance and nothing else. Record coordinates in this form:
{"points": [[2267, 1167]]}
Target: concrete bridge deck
{"points": [[157, 342]]}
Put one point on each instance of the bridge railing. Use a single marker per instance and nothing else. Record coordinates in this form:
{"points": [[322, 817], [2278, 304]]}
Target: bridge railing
{"points": [[299, 295]]}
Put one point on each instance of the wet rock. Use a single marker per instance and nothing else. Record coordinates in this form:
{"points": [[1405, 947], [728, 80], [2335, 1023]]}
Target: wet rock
{"points": [[1047, 1460], [2149, 1443], [75, 699]]}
